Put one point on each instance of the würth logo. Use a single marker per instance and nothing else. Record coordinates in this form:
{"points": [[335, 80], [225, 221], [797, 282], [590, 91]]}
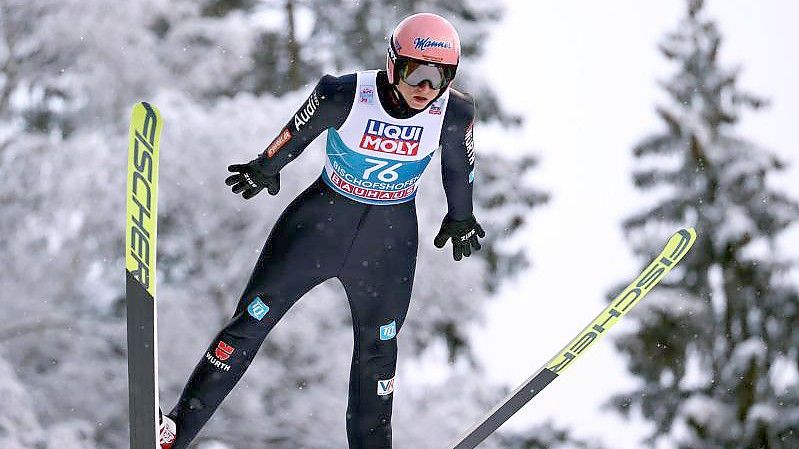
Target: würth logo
{"points": [[223, 350], [388, 138]]}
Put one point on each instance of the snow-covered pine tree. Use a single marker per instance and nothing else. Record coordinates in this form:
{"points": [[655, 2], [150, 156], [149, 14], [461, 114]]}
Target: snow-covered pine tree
{"points": [[716, 353]]}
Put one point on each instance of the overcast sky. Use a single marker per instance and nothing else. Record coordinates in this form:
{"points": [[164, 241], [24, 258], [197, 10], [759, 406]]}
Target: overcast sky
{"points": [[584, 75]]}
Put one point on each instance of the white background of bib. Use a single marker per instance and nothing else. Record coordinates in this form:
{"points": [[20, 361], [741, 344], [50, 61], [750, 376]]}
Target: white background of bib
{"points": [[352, 131]]}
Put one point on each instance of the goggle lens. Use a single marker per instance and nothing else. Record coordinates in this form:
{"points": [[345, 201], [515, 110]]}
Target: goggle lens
{"points": [[414, 73]]}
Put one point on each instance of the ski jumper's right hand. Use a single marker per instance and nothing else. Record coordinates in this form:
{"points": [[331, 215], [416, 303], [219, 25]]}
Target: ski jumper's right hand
{"points": [[327, 106], [250, 178]]}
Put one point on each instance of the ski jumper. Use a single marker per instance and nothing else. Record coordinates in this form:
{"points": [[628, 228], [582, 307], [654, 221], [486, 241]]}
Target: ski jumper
{"points": [[356, 222]]}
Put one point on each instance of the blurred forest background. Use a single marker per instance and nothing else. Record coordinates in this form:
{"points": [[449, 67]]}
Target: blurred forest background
{"points": [[715, 350]]}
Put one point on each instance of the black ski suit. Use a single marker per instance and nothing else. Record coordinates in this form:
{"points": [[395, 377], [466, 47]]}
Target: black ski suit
{"points": [[370, 248]]}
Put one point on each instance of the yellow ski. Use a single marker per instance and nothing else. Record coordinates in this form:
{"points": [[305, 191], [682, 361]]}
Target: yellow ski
{"points": [[140, 246], [675, 249]]}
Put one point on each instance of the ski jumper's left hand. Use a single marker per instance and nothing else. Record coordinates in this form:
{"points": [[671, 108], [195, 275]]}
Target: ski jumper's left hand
{"points": [[457, 175], [464, 234]]}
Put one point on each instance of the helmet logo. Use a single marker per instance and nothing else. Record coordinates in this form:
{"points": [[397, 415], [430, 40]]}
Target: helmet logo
{"points": [[423, 43]]}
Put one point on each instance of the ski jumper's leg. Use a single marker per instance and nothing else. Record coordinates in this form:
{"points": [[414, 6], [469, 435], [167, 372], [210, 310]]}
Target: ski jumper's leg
{"points": [[378, 277], [305, 247]]}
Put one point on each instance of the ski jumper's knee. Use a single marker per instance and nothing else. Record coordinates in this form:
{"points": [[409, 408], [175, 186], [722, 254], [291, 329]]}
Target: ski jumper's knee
{"points": [[371, 433]]}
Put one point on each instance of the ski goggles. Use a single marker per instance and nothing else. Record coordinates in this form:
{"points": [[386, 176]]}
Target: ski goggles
{"points": [[414, 73]]}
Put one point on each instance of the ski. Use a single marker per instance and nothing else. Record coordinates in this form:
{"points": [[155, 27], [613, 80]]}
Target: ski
{"points": [[140, 246], [677, 246]]}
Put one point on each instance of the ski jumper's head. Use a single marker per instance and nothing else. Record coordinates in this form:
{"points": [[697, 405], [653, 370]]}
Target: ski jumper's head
{"points": [[422, 58]]}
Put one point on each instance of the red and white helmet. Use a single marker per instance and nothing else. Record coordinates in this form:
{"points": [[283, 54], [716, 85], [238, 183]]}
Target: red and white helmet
{"points": [[425, 38]]}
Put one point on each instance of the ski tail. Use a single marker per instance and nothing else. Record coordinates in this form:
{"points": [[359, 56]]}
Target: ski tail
{"points": [[140, 252], [676, 248]]}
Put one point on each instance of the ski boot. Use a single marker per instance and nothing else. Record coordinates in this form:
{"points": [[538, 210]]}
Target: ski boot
{"points": [[166, 431]]}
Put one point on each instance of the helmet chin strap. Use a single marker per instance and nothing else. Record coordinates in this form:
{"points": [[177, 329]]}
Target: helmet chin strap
{"points": [[399, 98]]}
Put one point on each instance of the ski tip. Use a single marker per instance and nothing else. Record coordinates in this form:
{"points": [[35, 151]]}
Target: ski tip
{"points": [[680, 243], [690, 231], [147, 106]]}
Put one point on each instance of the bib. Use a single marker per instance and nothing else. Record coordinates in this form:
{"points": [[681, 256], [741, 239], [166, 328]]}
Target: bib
{"points": [[374, 158]]}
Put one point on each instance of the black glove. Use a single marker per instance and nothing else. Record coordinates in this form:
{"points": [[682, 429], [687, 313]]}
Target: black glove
{"points": [[463, 233], [250, 178]]}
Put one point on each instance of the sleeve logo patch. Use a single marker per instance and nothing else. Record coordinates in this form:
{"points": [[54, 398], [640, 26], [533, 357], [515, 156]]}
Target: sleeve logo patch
{"points": [[468, 142], [306, 112], [278, 143]]}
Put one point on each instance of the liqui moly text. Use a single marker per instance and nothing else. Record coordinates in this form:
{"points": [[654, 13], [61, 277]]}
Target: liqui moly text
{"points": [[388, 138]]}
